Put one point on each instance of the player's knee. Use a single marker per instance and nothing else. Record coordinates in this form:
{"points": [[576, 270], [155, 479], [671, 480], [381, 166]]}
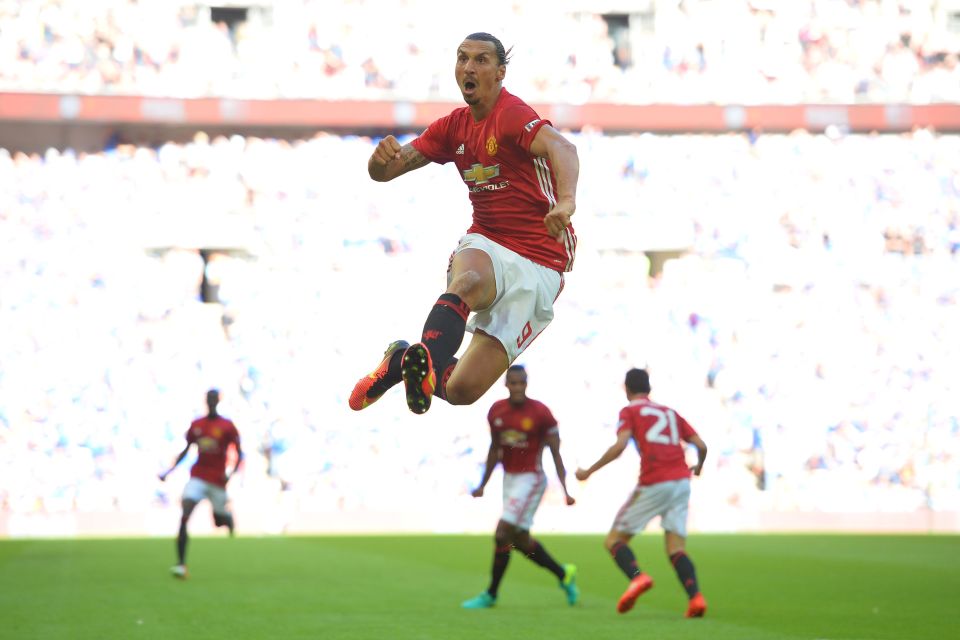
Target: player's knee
{"points": [[461, 392], [188, 506], [476, 290], [612, 540]]}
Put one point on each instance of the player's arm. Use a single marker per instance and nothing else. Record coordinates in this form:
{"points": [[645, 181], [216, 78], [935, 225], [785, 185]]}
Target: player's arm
{"points": [[236, 465], [390, 160], [611, 454], [493, 457], [183, 454], [552, 440], [550, 143], [701, 453]]}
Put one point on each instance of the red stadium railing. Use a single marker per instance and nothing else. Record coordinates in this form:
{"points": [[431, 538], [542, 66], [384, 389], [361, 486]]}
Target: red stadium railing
{"points": [[356, 114]]}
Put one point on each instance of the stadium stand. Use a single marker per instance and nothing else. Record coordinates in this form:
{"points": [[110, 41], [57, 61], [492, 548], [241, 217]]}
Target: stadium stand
{"points": [[795, 288]]}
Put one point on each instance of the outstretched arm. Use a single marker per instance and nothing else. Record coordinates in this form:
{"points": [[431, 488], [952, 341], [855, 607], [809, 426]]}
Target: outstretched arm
{"points": [[183, 454], [611, 454], [701, 454], [553, 441], [550, 143], [390, 160], [236, 465]]}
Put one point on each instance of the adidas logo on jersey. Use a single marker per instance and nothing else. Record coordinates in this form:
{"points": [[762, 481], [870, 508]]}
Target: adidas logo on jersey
{"points": [[460, 150]]}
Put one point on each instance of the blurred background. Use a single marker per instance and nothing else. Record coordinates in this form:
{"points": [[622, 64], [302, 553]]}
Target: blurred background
{"points": [[768, 220]]}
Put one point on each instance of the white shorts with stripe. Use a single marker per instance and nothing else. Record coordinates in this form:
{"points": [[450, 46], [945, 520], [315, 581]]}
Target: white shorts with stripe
{"points": [[525, 295], [196, 490], [669, 500], [522, 493]]}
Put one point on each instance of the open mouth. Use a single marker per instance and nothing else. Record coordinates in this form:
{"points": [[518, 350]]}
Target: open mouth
{"points": [[469, 85]]}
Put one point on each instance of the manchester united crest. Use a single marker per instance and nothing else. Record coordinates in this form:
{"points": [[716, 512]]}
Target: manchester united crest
{"points": [[492, 146]]}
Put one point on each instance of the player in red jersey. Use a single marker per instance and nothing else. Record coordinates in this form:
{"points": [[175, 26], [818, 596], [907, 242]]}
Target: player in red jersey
{"points": [[213, 434], [659, 433], [519, 429], [521, 177]]}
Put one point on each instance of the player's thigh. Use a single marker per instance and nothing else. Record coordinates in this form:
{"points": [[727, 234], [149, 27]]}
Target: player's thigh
{"points": [[524, 303], [645, 503], [218, 500], [522, 493], [482, 364], [193, 492], [674, 516], [472, 277]]}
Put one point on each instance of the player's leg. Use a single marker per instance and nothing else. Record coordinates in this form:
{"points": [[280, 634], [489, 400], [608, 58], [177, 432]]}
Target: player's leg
{"points": [[502, 545], [537, 554], [617, 544], [686, 573], [472, 284], [644, 503], [522, 309], [674, 522], [222, 516], [566, 574], [180, 569], [482, 365]]}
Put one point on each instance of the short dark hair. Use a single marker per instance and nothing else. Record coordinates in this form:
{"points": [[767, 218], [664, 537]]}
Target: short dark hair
{"points": [[517, 368], [503, 55], [637, 381]]}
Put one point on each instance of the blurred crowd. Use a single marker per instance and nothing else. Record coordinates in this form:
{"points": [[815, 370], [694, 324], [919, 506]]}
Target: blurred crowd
{"points": [[794, 297], [653, 51]]}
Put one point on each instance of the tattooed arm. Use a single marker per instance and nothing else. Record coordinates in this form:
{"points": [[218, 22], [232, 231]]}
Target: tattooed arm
{"points": [[390, 160]]}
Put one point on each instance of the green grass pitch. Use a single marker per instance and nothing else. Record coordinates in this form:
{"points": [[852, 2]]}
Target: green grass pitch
{"points": [[399, 587]]}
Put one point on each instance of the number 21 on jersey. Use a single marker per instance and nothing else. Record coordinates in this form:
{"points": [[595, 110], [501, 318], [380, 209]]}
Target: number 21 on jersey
{"points": [[664, 430]]}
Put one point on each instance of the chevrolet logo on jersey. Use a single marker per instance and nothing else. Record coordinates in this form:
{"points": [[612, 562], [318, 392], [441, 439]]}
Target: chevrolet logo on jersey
{"points": [[480, 174], [207, 444], [513, 439]]}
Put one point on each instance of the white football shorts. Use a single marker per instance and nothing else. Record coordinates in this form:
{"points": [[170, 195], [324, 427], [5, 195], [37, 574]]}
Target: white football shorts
{"points": [[669, 500], [525, 295], [522, 493], [196, 490]]}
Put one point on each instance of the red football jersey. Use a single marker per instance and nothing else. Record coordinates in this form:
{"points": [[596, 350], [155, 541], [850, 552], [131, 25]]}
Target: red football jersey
{"points": [[212, 437], [520, 431], [511, 190], [659, 433]]}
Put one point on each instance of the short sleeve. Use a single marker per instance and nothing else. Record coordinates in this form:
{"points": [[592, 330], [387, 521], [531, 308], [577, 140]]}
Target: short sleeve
{"points": [[434, 143], [548, 422], [624, 421], [521, 123], [686, 431]]}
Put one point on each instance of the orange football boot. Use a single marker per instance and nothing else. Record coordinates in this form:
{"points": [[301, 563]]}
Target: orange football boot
{"points": [[364, 394], [638, 586], [697, 607], [419, 377]]}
